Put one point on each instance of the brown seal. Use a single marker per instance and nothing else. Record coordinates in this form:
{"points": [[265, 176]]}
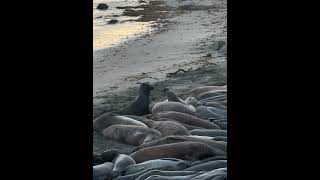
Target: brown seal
{"points": [[188, 119], [132, 135], [184, 150]]}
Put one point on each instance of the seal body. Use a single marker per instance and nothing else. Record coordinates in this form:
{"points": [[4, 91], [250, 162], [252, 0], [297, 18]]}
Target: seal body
{"points": [[132, 135], [109, 119], [208, 166], [184, 150], [140, 106], [209, 132], [121, 162], [188, 119], [102, 171], [174, 106], [167, 128]]}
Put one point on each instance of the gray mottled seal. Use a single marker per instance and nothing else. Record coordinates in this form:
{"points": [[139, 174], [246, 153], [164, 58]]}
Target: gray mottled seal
{"points": [[183, 150], [209, 94], [209, 159], [109, 119], [132, 135], [102, 171], [166, 173], [188, 126], [167, 128], [209, 132], [174, 106], [169, 164], [208, 166], [140, 106], [176, 139], [221, 172], [120, 163], [188, 119], [207, 113], [197, 91]]}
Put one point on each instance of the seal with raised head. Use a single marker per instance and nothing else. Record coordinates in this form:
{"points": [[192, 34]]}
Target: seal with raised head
{"points": [[171, 164], [132, 135], [176, 139], [167, 128], [172, 97], [184, 150], [108, 119], [188, 119], [121, 162], [140, 106]]}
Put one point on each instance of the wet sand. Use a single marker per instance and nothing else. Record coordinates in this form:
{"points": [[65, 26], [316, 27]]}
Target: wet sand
{"points": [[188, 36]]}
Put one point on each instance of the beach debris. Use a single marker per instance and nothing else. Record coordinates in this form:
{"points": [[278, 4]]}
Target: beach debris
{"points": [[176, 72], [102, 6], [113, 21]]}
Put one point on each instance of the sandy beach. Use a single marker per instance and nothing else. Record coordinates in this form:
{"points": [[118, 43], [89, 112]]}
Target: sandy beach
{"points": [[188, 35]]}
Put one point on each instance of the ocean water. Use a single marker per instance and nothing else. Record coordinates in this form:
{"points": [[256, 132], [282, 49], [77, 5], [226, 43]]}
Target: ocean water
{"points": [[107, 35]]}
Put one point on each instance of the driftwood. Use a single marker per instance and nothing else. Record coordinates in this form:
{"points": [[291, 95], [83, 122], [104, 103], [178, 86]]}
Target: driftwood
{"points": [[174, 73]]}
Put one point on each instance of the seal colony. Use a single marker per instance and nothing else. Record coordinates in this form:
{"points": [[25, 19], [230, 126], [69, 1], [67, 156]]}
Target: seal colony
{"points": [[182, 137]]}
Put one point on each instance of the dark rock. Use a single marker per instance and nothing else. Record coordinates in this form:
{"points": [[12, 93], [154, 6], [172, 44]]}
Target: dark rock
{"points": [[113, 21], [102, 6]]}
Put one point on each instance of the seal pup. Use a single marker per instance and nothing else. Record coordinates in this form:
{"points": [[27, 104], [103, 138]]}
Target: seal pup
{"points": [[108, 119], [140, 106], [188, 119], [184, 150], [120, 163], [132, 135], [169, 164], [209, 132], [102, 171], [176, 139], [167, 128], [174, 106], [189, 127]]}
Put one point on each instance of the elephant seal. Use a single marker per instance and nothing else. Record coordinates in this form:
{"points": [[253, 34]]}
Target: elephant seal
{"points": [[208, 166], [189, 127], [205, 112], [102, 171], [167, 128], [108, 119], [215, 105], [214, 99], [171, 164], [221, 172], [163, 177], [172, 97], [174, 106], [209, 94], [140, 106], [222, 125], [209, 132], [176, 139], [188, 119], [132, 135], [184, 150], [106, 156], [220, 138], [197, 91], [166, 173], [208, 160], [134, 176], [218, 111], [121, 162]]}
